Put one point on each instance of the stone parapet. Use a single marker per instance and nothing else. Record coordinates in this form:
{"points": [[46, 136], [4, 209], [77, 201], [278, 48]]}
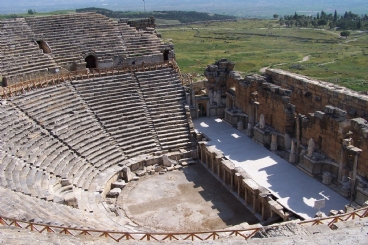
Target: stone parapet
{"points": [[318, 94]]}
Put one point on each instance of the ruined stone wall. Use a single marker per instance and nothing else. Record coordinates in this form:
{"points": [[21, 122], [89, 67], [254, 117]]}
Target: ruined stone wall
{"points": [[142, 24], [275, 109], [323, 125], [329, 133], [271, 101], [310, 95]]}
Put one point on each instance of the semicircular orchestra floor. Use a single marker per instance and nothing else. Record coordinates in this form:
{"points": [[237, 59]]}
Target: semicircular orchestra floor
{"points": [[190, 199]]}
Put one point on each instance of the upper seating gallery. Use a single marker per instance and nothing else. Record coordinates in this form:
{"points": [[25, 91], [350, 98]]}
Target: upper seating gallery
{"points": [[36, 46]]}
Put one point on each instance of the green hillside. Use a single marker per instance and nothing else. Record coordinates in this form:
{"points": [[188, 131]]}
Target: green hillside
{"points": [[253, 44], [181, 16]]}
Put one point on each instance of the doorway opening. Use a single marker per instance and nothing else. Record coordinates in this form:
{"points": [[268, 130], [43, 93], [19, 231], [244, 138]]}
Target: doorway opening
{"points": [[202, 112], [44, 46], [166, 55], [91, 62]]}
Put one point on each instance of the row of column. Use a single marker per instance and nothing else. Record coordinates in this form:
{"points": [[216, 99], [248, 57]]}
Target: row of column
{"points": [[258, 198]]}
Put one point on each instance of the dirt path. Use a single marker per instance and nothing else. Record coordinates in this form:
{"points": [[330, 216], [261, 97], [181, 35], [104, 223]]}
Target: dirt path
{"points": [[331, 62], [187, 200], [263, 69], [305, 58]]}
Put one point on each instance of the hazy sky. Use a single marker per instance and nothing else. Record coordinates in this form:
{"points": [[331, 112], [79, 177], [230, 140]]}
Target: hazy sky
{"points": [[234, 7]]}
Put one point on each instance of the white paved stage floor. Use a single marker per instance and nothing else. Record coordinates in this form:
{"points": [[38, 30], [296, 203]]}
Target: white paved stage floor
{"points": [[295, 190]]}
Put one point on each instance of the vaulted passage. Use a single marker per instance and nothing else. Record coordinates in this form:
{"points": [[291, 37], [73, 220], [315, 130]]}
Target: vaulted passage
{"points": [[91, 62], [166, 55], [44, 46]]}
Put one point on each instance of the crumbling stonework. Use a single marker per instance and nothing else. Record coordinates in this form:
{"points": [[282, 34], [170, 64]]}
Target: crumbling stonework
{"points": [[322, 125], [40, 46]]}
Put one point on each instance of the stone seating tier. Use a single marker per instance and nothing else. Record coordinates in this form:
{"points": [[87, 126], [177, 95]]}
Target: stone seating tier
{"points": [[27, 208], [76, 132], [21, 56], [150, 84], [122, 113], [68, 105], [51, 159], [70, 36]]}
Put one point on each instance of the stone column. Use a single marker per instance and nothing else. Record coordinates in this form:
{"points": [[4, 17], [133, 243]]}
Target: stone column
{"points": [[245, 194], [208, 159], [240, 125], [224, 175], [355, 166], [188, 98], [203, 154], [208, 109], [310, 149], [263, 198], [193, 97], [287, 141], [218, 162], [249, 130], [326, 179], [254, 201], [342, 163], [237, 176], [293, 153], [232, 181], [200, 152], [274, 142], [213, 164], [219, 169]]}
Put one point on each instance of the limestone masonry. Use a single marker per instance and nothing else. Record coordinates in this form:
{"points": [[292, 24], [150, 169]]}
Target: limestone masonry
{"points": [[322, 126], [89, 105]]}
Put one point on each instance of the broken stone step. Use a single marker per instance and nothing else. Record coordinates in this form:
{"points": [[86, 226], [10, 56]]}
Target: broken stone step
{"points": [[113, 193]]}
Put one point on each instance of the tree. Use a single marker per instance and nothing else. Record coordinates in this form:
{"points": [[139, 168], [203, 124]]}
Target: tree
{"points": [[322, 22], [345, 34], [314, 23], [323, 15], [30, 11], [335, 17], [275, 16], [317, 15], [295, 16], [359, 24]]}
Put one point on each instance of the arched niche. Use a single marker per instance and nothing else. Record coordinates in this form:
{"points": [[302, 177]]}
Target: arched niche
{"points": [[91, 62], [44, 46]]}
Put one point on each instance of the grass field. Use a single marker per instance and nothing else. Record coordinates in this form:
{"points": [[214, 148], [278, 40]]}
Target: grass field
{"points": [[254, 44], [40, 14]]}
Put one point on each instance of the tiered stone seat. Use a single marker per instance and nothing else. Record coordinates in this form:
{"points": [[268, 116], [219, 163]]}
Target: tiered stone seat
{"points": [[164, 97], [138, 42], [31, 162], [120, 109], [72, 36], [34, 161], [19, 206], [64, 114], [20, 54], [17, 175]]}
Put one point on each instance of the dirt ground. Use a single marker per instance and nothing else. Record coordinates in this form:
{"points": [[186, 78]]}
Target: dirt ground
{"points": [[190, 199]]}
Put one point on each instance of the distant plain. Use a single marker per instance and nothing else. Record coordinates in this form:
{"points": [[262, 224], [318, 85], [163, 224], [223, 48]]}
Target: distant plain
{"points": [[254, 44]]}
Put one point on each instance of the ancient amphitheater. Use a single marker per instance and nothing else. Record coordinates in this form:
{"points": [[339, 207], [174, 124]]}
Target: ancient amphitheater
{"points": [[94, 109]]}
